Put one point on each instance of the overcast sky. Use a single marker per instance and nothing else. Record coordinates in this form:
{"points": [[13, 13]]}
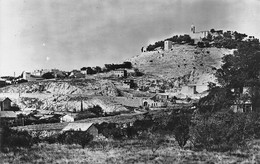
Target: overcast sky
{"points": [[70, 34]]}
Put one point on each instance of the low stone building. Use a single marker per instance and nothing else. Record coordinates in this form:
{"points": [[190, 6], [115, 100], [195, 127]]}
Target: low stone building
{"points": [[5, 104]]}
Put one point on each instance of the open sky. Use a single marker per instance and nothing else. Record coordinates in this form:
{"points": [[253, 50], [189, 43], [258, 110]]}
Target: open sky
{"points": [[70, 34]]}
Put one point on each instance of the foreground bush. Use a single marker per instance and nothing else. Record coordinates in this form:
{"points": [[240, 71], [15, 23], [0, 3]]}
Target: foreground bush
{"points": [[12, 139], [75, 137], [224, 131]]}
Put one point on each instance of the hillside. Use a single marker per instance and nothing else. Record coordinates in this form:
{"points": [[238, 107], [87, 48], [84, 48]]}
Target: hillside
{"points": [[64, 95], [69, 86], [195, 64]]}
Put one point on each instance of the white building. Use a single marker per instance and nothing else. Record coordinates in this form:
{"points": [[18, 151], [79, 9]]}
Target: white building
{"points": [[167, 45], [198, 35], [193, 89], [67, 118]]}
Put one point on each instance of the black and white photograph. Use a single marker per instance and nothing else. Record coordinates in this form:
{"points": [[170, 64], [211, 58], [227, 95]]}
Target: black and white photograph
{"points": [[129, 81]]}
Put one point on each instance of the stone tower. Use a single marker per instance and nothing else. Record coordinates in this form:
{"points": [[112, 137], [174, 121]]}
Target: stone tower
{"points": [[192, 29]]}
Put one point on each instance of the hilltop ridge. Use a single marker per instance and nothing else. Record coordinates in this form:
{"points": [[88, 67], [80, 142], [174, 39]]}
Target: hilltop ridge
{"points": [[197, 65]]}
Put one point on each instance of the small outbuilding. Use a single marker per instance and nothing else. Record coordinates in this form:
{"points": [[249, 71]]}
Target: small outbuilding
{"points": [[5, 104]]}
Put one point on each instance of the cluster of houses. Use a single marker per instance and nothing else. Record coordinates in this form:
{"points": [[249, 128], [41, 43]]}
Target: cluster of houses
{"points": [[36, 75], [12, 116], [198, 36]]}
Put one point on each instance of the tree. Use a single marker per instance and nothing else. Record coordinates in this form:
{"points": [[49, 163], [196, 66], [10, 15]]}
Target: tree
{"points": [[217, 99], [90, 71], [98, 69], [179, 123], [242, 69], [127, 64], [83, 68], [48, 75], [212, 30], [97, 110], [13, 139]]}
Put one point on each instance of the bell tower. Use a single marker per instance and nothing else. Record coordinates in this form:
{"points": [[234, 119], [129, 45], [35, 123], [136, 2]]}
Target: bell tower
{"points": [[192, 29]]}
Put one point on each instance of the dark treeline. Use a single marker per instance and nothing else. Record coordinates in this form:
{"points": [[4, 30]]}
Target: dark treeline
{"points": [[177, 39], [107, 68]]}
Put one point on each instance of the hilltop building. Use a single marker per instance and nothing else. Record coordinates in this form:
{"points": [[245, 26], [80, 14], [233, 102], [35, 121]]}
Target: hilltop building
{"points": [[167, 45], [40, 72], [197, 36], [28, 76]]}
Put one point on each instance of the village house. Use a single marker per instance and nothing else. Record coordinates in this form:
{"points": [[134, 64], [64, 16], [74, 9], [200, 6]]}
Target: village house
{"points": [[243, 102], [188, 89], [76, 74], [130, 83], [242, 106], [119, 73], [5, 104], [130, 72], [8, 118], [2, 82], [156, 89], [144, 49], [88, 127], [162, 97], [192, 89], [153, 104], [67, 118]]}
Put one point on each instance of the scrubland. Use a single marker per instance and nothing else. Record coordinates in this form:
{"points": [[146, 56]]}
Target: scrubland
{"points": [[128, 151]]}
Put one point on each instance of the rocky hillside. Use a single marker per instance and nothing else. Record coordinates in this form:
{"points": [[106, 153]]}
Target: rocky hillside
{"points": [[79, 86], [64, 95], [67, 103], [195, 64]]}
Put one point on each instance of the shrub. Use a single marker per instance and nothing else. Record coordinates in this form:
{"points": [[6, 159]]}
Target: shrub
{"points": [[223, 131], [75, 137], [97, 110], [111, 130], [179, 123], [12, 139]]}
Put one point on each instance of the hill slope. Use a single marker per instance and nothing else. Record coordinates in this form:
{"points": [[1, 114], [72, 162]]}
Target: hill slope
{"points": [[196, 64]]}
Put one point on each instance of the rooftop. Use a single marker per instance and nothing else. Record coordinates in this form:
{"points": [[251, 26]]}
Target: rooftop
{"points": [[7, 114], [77, 126]]}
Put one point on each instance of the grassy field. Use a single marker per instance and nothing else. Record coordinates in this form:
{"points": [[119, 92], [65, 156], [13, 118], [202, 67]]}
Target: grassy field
{"points": [[128, 151]]}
